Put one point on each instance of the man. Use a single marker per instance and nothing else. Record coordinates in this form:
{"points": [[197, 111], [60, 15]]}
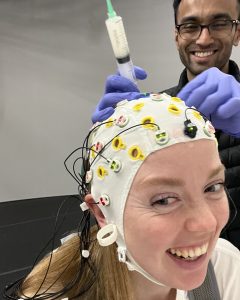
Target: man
{"points": [[205, 34], [206, 31]]}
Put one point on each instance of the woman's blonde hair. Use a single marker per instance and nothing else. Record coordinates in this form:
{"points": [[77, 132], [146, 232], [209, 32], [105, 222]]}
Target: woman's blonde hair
{"points": [[98, 277]]}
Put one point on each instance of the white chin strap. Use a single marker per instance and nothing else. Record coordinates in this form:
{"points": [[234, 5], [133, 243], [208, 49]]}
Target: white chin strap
{"points": [[108, 235], [125, 257]]}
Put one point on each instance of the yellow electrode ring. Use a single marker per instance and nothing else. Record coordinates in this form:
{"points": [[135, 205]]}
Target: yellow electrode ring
{"points": [[197, 115], [135, 153], [148, 122], [109, 123], [176, 99], [138, 107], [118, 144], [101, 172], [172, 108], [93, 152]]}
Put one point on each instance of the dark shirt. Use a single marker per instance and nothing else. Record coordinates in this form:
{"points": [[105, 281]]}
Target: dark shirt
{"points": [[229, 150]]}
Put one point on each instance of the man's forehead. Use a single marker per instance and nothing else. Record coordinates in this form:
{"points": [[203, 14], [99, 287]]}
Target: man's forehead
{"points": [[205, 10]]}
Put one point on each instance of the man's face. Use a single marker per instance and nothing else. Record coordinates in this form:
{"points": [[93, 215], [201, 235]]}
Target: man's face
{"points": [[207, 51]]}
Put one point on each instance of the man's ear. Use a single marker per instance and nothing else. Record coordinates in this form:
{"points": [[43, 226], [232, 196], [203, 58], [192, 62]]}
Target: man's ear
{"points": [[96, 211], [237, 36], [176, 38]]}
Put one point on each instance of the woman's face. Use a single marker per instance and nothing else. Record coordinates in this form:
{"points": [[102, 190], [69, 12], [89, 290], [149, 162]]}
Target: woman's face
{"points": [[176, 208]]}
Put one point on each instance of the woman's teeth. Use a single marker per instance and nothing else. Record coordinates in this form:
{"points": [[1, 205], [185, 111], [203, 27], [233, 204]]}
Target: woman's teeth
{"points": [[190, 253]]}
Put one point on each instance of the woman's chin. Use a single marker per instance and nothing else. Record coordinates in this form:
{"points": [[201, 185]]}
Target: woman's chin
{"points": [[191, 284]]}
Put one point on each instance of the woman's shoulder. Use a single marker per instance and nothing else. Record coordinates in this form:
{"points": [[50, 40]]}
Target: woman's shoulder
{"points": [[225, 249], [226, 257], [226, 262]]}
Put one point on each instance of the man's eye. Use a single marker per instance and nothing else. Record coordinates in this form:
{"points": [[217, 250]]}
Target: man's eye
{"points": [[215, 187], [190, 27], [220, 25]]}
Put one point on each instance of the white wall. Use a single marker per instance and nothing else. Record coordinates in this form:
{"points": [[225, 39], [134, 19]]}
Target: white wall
{"points": [[54, 58]]}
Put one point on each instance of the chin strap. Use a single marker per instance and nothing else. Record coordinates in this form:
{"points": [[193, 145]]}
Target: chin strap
{"points": [[209, 288], [125, 257]]}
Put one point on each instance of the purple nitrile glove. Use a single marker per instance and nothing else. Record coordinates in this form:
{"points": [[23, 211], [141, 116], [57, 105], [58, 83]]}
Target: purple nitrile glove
{"points": [[217, 96], [117, 88]]}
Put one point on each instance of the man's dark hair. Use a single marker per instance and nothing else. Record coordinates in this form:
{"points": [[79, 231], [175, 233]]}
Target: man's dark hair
{"points": [[176, 5], [239, 10]]}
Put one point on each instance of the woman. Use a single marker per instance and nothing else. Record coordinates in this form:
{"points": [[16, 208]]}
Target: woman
{"points": [[152, 177]]}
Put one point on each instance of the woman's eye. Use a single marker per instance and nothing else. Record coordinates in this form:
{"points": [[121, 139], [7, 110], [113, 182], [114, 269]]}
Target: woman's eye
{"points": [[215, 187], [164, 204], [164, 201]]}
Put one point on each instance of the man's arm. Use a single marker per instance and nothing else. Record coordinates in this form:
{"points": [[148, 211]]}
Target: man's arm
{"points": [[214, 93]]}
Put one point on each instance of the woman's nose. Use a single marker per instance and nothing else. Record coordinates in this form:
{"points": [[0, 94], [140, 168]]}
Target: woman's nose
{"points": [[200, 218]]}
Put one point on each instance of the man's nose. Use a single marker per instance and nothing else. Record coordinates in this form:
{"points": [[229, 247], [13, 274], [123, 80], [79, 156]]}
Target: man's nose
{"points": [[200, 218], [205, 37]]}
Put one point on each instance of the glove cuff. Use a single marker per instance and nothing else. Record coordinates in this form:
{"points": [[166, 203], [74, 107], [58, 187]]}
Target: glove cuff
{"points": [[236, 135]]}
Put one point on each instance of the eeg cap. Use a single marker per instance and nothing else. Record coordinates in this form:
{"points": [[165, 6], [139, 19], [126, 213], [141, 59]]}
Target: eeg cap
{"points": [[120, 145]]}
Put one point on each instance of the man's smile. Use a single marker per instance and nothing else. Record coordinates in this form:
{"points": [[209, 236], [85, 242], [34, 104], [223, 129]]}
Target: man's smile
{"points": [[203, 53]]}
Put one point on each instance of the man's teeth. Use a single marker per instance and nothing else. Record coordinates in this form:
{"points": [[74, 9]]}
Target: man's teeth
{"points": [[203, 54], [190, 252]]}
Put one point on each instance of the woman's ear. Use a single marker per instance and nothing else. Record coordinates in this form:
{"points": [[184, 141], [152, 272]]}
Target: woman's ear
{"points": [[96, 211]]}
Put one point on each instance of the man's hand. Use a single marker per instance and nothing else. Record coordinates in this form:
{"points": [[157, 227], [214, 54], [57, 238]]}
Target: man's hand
{"points": [[217, 96], [117, 88]]}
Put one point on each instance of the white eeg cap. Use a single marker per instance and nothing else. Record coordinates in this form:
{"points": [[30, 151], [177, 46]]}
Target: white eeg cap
{"points": [[121, 144]]}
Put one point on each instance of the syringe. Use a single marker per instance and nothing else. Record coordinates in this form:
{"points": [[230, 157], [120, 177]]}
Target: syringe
{"points": [[119, 43]]}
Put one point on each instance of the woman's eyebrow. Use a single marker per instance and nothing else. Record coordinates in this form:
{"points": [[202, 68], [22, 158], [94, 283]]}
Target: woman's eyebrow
{"points": [[163, 181], [216, 171], [177, 181]]}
